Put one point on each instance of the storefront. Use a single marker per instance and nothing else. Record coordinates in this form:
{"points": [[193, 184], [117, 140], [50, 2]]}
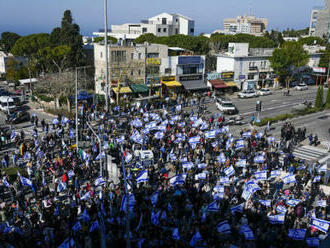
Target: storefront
{"points": [[192, 82], [169, 86]]}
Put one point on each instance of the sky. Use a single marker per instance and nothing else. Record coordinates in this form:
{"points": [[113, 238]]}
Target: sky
{"points": [[35, 16]]}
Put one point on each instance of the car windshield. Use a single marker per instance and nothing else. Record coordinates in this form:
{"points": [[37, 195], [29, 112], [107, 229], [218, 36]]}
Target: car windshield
{"points": [[264, 89], [228, 105]]}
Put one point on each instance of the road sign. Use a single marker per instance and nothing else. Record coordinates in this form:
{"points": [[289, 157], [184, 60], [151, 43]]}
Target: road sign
{"points": [[258, 106]]}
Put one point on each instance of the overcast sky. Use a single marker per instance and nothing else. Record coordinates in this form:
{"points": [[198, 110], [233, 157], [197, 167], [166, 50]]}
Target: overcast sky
{"points": [[34, 16]]}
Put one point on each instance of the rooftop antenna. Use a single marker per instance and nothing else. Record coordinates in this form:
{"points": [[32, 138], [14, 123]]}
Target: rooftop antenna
{"points": [[250, 3]]}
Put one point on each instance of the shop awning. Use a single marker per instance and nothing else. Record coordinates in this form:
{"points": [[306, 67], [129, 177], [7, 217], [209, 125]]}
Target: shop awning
{"points": [[194, 85], [231, 84], [218, 84], [139, 88], [123, 90], [172, 84]]}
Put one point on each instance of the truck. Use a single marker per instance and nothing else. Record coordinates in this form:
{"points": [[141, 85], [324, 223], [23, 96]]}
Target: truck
{"points": [[226, 106]]}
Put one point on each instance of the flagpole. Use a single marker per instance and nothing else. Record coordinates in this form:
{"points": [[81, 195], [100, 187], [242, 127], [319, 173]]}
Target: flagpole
{"points": [[100, 146]]}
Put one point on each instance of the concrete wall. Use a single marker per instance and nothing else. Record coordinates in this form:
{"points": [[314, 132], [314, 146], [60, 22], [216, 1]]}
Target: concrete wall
{"points": [[225, 64]]}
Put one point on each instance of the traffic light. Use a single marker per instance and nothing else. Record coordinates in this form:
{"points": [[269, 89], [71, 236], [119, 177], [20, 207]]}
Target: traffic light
{"points": [[258, 106]]}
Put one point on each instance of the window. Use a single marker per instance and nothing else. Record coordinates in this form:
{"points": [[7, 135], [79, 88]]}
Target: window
{"points": [[168, 70], [139, 72], [159, 30], [164, 21], [132, 55], [153, 55], [176, 31], [164, 30], [189, 69], [176, 20], [101, 55], [118, 56], [140, 55], [132, 73], [144, 30], [251, 76], [192, 30]]}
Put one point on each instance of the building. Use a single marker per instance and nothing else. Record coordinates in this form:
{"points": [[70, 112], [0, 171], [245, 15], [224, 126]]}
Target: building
{"points": [[161, 25], [250, 67], [3, 59], [245, 24], [320, 21]]}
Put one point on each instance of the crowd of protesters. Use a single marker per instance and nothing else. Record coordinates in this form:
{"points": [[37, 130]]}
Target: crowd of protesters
{"points": [[203, 188]]}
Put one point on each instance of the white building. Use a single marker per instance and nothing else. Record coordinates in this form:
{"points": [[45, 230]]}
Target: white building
{"points": [[3, 59], [161, 25], [245, 25]]}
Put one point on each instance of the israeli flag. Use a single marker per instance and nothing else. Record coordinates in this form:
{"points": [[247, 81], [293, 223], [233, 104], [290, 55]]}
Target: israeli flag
{"points": [[276, 219], [210, 134], [289, 179], [275, 173], [176, 118], [247, 232], [224, 129], [175, 234], [84, 155], [128, 157], [241, 163], [178, 179], [249, 189], [64, 120], [238, 208], [193, 118], [155, 218], [178, 107], [159, 135], [259, 135], [224, 227], [321, 225], [271, 140], [183, 160], [224, 180], [143, 177], [137, 123], [230, 171], [55, 121], [219, 188], [172, 156], [13, 135], [94, 226], [214, 144], [267, 203], [100, 156], [85, 196], [201, 176], [195, 239], [26, 182], [247, 134], [181, 124], [71, 134], [239, 144], [120, 140], [76, 227], [322, 168], [151, 125], [201, 166], [161, 128], [260, 175], [297, 234], [321, 203], [187, 165], [259, 159], [230, 141], [61, 187], [99, 181], [293, 202], [197, 123], [204, 126], [194, 140], [5, 182], [222, 158], [27, 156], [317, 179], [313, 242], [281, 209]]}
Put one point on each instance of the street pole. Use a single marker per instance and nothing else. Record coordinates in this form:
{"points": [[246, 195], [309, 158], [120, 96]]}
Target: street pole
{"points": [[106, 53], [100, 145], [77, 138], [328, 71]]}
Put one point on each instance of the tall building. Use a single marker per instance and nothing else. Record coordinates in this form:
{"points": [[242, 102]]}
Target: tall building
{"points": [[161, 25], [246, 25], [320, 21]]}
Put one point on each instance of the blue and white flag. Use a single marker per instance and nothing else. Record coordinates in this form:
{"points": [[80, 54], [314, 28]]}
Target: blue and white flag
{"points": [[193, 118], [159, 135], [239, 144], [229, 143], [173, 157], [267, 203], [275, 173], [70, 174], [131, 203], [230, 171], [128, 157], [276, 219], [178, 107], [195, 239], [64, 120], [76, 227], [210, 134], [247, 232], [261, 175], [178, 179], [55, 121], [259, 159], [222, 158], [289, 179], [180, 136], [297, 234], [71, 134], [175, 118], [84, 216], [281, 209], [94, 226], [13, 135], [27, 156], [322, 168], [241, 163], [247, 134], [224, 227], [187, 165], [100, 156], [213, 207], [5, 182], [154, 198], [321, 203], [161, 128], [317, 179], [86, 196], [137, 123], [313, 242], [61, 186], [293, 202], [143, 177], [201, 166], [26, 182], [224, 129], [84, 155], [155, 218], [120, 140], [249, 189], [271, 140], [194, 140], [201, 176], [151, 125], [175, 234], [99, 181], [238, 208], [321, 225], [214, 144], [224, 180], [259, 135], [219, 188], [204, 126]]}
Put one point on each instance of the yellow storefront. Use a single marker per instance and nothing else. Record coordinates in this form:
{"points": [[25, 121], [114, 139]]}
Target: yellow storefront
{"points": [[170, 84]]}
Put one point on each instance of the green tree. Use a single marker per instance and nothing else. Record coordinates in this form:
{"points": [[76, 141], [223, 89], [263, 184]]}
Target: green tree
{"points": [[15, 70], [312, 40], [56, 56], [319, 98], [325, 57], [8, 40], [111, 40], [327, 100]]}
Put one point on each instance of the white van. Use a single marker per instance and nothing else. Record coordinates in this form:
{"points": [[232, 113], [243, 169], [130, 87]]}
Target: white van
{"points": [[144, 157], [7, 104]]}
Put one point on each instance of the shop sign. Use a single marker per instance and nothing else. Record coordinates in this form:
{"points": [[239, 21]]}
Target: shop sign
{"points": [[190, 78], [168, 78], [227, 75]]}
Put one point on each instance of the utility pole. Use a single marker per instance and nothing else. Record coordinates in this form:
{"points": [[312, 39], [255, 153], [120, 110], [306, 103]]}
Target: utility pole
{"points": [[77, 138], [106, 54]]}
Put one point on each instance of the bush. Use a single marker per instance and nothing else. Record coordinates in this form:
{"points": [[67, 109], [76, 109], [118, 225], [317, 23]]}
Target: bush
{"points": [[62, 100], [45, 98]]}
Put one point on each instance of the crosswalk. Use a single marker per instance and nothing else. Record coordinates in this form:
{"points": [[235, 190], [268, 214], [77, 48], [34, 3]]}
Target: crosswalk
{"points": [[307, 153]]}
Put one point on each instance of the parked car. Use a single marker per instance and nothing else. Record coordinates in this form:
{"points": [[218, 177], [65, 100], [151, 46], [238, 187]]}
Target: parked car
{"points": [[301, 87], [247, 94], [18, 117], [226, 106], [264, 92]]}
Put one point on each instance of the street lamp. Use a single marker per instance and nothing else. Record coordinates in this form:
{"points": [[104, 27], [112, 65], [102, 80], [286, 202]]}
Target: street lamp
{"points": [[106, 54]]}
